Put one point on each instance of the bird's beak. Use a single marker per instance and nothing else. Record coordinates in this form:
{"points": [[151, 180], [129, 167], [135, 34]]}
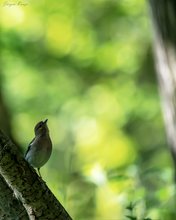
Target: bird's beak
{"points": [[45, 121]]}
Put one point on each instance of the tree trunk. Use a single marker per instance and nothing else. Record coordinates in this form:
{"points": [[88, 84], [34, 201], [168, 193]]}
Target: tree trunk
{"points": [[10, 207], [163, 14], [30, 190]]}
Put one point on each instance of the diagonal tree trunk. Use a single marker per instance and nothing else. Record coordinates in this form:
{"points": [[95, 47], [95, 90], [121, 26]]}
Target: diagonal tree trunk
{"points": [[28, 187], [10, 207], [163, 14]]}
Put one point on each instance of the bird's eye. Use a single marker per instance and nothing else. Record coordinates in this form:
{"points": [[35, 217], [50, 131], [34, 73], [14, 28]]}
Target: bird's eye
{"points": [[39, 126]]}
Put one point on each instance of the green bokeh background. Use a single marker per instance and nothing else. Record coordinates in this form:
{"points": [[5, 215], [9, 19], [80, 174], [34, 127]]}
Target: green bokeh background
{"points": [[87, 66]]}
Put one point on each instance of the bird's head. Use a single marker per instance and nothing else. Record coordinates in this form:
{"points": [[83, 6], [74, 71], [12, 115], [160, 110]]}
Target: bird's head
{"points": [[41, 128]]}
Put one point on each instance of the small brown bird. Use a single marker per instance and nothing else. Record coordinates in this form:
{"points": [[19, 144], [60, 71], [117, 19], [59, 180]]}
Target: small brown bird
{"points": [[40, 148]]}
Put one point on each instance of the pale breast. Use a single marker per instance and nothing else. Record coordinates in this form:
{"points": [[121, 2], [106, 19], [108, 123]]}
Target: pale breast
{"points": [[40, 151]]}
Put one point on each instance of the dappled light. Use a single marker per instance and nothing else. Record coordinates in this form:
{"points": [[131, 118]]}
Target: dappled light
{"points": [[85, 66]]}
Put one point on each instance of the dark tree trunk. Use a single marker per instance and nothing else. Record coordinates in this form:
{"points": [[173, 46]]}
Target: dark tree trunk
{"points": [[163, 13], [23, 192]]}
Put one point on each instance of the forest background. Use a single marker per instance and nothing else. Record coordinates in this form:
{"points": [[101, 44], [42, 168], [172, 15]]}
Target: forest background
{"points": [[88, 67]]}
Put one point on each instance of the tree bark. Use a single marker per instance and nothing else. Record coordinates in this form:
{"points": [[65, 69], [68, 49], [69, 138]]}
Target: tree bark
{"points": [[28, 187], [163, 15], [10, 207]]}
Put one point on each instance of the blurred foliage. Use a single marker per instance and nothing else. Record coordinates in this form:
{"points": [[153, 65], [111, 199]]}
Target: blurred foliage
{"points": [[87, 67]]}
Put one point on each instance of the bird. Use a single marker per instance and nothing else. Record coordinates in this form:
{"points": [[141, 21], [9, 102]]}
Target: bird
{"points": [[40, 148]]}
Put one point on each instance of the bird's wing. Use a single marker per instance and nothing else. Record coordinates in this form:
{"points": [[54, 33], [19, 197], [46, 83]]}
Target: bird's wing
{"points": [[29, 146]]}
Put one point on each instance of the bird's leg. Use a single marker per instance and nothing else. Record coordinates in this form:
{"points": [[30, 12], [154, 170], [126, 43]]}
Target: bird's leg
{"points": [[39, 172], [38, 169]]}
